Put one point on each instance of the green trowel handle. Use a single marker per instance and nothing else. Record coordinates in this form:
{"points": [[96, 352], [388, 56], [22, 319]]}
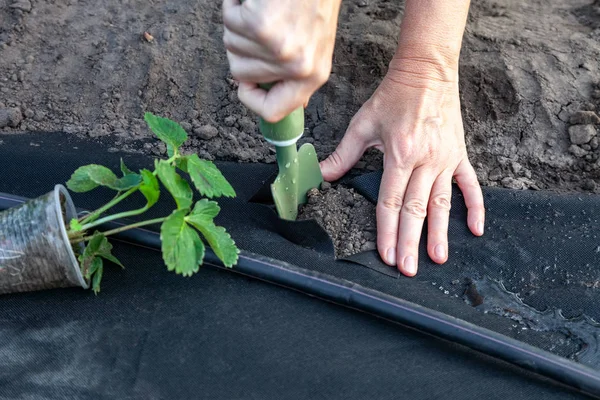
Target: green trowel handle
{"points": [[286, 131]]}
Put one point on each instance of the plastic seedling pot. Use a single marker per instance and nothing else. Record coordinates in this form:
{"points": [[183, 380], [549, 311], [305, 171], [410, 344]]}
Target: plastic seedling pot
{"points": [[35, 252]]}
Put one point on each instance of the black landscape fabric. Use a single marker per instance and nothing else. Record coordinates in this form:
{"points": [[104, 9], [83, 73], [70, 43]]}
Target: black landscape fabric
{"points": [[153, 335]]}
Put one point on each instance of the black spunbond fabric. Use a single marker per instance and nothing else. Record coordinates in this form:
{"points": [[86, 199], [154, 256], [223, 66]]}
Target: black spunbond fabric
{"points": [[277, 352], [545, 247], [153, 335]]}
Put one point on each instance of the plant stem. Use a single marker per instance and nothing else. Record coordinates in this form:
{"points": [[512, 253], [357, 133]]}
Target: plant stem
{"points": [[107, 206], [109, 218], [123, 228]]}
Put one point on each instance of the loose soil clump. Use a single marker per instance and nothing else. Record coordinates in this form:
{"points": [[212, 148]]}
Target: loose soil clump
{"points": [[348, 218]]}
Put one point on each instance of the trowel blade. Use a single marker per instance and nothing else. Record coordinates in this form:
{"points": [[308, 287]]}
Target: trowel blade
{"points": [[310, 172], [285, 200], [289, 194]]}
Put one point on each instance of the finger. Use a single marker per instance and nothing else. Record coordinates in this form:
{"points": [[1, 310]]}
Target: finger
{"points": [[249, 69], [345, 156], [235, 17], [273, 105], [245, 47], [412, 216], [469, 185], [438, 217], [252, 96], [391, 195], [285, 97]]}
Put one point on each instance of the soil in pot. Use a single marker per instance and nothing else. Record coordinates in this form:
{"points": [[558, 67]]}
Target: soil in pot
{"points": [[36, 251]]}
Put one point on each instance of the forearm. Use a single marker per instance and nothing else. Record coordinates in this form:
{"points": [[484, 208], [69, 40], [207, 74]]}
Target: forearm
{"points": [[430, 39]]}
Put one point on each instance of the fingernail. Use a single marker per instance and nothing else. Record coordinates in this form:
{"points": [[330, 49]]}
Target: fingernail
{"points": [[410, 265], [391, 256], [480, 227], [440, 251]]}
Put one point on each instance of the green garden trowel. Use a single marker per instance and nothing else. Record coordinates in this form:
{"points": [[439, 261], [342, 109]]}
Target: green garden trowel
{"points": [[299, 170]]}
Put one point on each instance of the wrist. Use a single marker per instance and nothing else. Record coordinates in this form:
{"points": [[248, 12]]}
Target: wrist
{"points": [[425, 64]]}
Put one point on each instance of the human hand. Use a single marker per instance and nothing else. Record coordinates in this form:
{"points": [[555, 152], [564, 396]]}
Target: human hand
{"points": [[289, 42], [415, 119]]}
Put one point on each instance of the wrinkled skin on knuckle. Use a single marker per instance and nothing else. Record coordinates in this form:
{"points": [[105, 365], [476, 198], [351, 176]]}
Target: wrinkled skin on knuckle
{"points": [[392, 202], [335, 159], [441, 201], [415, 207]]}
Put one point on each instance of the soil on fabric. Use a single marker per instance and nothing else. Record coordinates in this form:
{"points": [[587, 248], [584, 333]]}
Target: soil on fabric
{"points": [[530, 82], [348, 218]]}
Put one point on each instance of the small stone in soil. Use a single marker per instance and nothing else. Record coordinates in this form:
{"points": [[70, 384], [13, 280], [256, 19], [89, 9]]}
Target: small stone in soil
{"points": [[589, 185], [584, 118], [577, 151], [206, 132], [230, 120], [580, 134], [10, 117], [186, 126]]}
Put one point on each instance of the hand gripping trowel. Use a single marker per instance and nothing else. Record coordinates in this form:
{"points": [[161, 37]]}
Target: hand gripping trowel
{"points": [[299, 170]]}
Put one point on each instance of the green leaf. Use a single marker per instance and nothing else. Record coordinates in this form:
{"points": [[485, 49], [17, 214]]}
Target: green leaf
{"points": [[97, 277], [89, 253], [207, 178], [149, 187], [170, 151], [80, 181], [175, 184], [91, 176], [166, 130], [99, 174], [126, 171], [127, 182], [200, 249], [206, 209], [92, 266], [93, 245], [95, 265], [75, 225], [179, 244], [181, 163], [105, 251], [218, 239]]}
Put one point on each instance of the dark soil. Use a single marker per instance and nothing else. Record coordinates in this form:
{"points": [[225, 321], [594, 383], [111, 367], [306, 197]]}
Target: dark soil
{"points": [[527, 69], [347, 216], [530, 81]]}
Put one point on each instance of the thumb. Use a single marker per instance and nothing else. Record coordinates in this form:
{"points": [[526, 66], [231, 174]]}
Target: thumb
{"points": [[347, 154]]}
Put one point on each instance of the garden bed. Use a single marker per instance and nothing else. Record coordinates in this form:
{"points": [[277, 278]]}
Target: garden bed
{"points": [[529, 73]]}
